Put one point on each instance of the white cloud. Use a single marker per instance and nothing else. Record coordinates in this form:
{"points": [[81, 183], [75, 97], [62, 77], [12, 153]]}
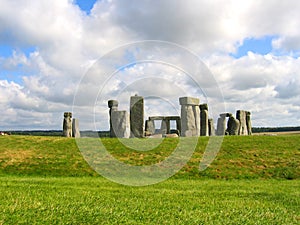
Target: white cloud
{"points": [[67, 42]]}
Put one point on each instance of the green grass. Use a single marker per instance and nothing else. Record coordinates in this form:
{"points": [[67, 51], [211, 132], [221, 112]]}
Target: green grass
{"points": [[239, 157], [65, 200], [253, 180]]}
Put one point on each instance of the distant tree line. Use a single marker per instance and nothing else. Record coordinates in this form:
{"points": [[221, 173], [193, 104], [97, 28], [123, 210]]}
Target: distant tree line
{"points": [[89, 133], [274, 129], [57, 133]]}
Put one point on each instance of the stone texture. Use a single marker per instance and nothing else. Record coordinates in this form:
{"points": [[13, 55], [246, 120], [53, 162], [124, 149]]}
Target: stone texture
{"points": [[137, 116], [113, 106], [211, 127], [75, 128], [248, 122], [149, 127], [165, 126], [221, 124], [241, 116], [190, 116], [120, 124], [233, 126], [204, 130], [67, 124], [189, 101]]}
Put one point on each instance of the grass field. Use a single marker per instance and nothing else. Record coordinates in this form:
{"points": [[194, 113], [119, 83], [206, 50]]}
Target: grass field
{"points": [[253, 180]]}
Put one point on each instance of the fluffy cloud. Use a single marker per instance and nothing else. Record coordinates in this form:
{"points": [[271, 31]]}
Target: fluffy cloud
{"points": [[68, 44]]}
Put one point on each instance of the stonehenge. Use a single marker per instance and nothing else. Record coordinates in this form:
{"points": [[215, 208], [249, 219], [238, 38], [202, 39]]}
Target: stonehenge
{"points": [[67, 124], [70, 126], [221, 125], [193, 121], [233, 125], [241, 116], [211, 128], [120, 124], [75, 128], [150, 128], [113, 106], [190, 116], [204, 131], [136, 116]]}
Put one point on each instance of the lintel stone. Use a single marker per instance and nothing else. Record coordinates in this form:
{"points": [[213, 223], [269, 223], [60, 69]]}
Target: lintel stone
{"points": [[189, 101]]}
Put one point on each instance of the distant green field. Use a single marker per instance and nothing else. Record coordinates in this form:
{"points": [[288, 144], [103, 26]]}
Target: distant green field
{"points": [[253, 180], [239, 157]]}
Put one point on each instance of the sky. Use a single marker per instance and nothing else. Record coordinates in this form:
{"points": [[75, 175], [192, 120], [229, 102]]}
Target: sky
{"points": [[75, 55]]}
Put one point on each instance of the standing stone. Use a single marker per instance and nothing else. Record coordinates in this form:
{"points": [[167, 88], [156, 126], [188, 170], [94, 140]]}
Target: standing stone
{"points": [[136, 116], [75, 128], [190, 116], [120, 124], [221, 125], [165, 126], [113, 106], [241, 116], [211, 127], [67, 124], [233, 125], [204, 131], [248, 122], [149, 127]]}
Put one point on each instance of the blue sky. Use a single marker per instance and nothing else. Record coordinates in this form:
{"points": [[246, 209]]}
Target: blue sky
{"points": [[85, 5], [251, 48]]}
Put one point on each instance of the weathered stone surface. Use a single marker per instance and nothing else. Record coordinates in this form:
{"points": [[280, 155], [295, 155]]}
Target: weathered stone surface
{"points": [[190, 116], [149, 127], [241, 116], [196, 111], [165, 126], [248, 122], [113, 106], [189, 101], [120, 124], [190, 120], [137, 116], [204, 131], [75, 128], [233, 126], [211, 127], [221, 124], [67, 124], [203, 107]]}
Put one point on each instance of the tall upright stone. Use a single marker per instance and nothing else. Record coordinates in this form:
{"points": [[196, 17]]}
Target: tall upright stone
{"points": [[241, 116], [120, 124], [248, 122], [233, 125], [113, 106], [149, 127], [211, 127], [221, 124], [204, 130], [75, 128], [67, 124], [190, 116], [136, 116]]}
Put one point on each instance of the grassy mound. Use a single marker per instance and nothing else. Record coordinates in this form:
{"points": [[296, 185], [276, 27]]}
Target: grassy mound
{"points": [[239, 157]]}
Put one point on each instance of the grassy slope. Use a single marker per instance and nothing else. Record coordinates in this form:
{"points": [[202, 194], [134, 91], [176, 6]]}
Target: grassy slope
{"points": [[59, 198], [239, 157], [86, 200]]}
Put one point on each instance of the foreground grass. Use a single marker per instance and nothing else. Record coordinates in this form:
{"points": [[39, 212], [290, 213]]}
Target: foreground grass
{"points": [[91, 200], [240, 157]]}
